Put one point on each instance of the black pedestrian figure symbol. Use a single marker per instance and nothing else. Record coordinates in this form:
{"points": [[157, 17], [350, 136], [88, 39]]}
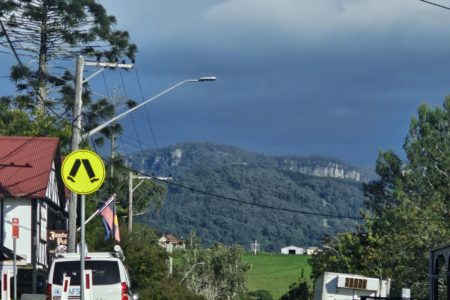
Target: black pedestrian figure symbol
{"points": [[87, 166]]}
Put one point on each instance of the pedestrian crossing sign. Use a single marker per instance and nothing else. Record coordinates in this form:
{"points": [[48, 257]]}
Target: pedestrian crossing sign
{"points": [[83, 172]]}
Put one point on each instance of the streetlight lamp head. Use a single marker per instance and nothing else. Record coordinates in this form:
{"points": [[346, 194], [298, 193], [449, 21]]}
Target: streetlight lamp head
{"points": [[207, 78]]}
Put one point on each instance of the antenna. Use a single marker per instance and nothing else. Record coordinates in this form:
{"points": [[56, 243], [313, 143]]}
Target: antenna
{"points": [[255, 247]]}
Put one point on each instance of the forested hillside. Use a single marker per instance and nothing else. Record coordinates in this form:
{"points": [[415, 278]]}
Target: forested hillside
{"points": [[239, 175]]}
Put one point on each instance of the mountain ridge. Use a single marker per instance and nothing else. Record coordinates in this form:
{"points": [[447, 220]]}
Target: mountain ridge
{"points": [[179, 155], [230, 195]]}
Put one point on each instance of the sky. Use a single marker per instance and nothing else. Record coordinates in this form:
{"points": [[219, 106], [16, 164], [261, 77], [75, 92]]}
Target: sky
{"points": [[340, 78]]}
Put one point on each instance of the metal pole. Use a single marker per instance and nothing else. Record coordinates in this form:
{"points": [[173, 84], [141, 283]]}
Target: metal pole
{"points": [[82, 248], [99, 128], [130, 202], [76, 127], [14, 269]]}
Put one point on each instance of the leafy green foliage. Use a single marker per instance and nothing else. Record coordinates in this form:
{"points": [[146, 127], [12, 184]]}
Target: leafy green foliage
{"points": [[216, 219], [217, 272], [298, 291], [408, 208], [48, 31], [146, 263]]}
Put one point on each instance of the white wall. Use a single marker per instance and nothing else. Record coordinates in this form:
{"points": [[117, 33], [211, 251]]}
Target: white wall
{"points": [[21, 209], [326, 287], [297, 250]]}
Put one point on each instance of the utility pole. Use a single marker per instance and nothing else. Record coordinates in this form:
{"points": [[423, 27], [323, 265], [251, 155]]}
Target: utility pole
{"points": [[76, 137], [76, 131], [76, 127], [130, 202], [113, 151], [131, 189]]}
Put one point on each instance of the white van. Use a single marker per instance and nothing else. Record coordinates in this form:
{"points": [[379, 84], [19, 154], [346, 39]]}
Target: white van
{"points": [[110, 280]]}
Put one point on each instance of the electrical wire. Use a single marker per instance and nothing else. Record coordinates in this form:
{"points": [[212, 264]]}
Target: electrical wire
{"points": [[136, 140], [11, 44], [31, 138], [435, 4], [145, 107], [137, 146], [264, 206], [239, 201], [106, 86], [133, 121], [278, 271]]}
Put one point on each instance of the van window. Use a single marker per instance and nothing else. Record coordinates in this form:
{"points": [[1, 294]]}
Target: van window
{"points": [[103, 272]]}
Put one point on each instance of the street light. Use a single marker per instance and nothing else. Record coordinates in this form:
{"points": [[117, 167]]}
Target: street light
{"points": [[76, 141], [99, 128]]}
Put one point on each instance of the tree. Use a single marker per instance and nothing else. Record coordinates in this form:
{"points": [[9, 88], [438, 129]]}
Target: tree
{"points": [[47, 31], [215, 273], [259, 295], [297, 291], [407, 207], [146, 263]]}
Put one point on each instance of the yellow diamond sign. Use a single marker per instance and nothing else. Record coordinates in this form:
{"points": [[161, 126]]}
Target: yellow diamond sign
{"points": [[83, 172]]}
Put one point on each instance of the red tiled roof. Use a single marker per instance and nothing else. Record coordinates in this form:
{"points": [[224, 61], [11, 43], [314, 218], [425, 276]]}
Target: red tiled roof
{"points": [[170, 238], [25, 165]]}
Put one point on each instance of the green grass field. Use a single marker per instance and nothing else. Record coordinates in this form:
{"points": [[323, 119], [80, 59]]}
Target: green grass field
{"points": [[275, 272]]}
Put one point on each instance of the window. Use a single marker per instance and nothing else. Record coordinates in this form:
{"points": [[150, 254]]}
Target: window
{"points": [[103, 272], [355, 283]]}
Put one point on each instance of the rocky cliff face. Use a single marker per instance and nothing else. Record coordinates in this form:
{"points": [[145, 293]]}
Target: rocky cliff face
{"points": [[325, 169], [194, 155]]}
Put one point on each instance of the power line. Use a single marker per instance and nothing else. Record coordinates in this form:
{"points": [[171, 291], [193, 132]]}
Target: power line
{"points": [[236, 200], [31, 138], [11, 44], [136, 140], [278, 271], [133, 121], [435, 4], [145, 107], [270, 207]]}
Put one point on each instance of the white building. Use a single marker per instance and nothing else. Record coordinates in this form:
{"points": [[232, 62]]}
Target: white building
{"points": [[339, 286], [312, 250], [170, 242], [292, 250]]}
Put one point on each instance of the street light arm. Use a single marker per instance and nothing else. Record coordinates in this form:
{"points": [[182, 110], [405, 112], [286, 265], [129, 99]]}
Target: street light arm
{"points": [[99, 128]]}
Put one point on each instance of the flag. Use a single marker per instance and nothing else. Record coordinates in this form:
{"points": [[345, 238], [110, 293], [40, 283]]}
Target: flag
{"points": [[110, 221]]}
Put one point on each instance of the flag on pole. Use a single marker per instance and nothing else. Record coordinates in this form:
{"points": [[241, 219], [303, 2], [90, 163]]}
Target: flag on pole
{"points": [[110, 221]]}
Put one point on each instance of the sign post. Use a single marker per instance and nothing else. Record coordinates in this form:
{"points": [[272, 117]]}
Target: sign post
{"points": [[15, 236], [83, 172]]}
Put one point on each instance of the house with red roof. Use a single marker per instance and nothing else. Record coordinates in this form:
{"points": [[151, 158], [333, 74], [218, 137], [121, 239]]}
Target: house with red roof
{"points": [[31, 190]]}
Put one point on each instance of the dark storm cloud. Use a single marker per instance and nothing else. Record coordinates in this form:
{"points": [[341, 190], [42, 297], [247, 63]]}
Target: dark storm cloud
{"points": [[339, 78]]}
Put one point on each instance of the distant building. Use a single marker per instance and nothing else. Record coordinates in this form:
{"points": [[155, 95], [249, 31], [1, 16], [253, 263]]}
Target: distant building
{"points": [[31, 190], [171, 242], [339, 286], [293, 250], [312, 250]]}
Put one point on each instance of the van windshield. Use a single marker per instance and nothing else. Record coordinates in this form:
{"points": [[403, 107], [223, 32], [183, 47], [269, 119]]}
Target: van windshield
{"points": [[103, 272]]}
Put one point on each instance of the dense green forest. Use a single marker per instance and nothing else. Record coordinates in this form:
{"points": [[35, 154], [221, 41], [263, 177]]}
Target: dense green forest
{"points": [[243, 176]]}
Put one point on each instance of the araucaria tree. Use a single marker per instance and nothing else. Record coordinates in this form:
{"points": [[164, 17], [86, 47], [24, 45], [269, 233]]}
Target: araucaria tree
{"points": [[408, 209], [45, 32]]}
